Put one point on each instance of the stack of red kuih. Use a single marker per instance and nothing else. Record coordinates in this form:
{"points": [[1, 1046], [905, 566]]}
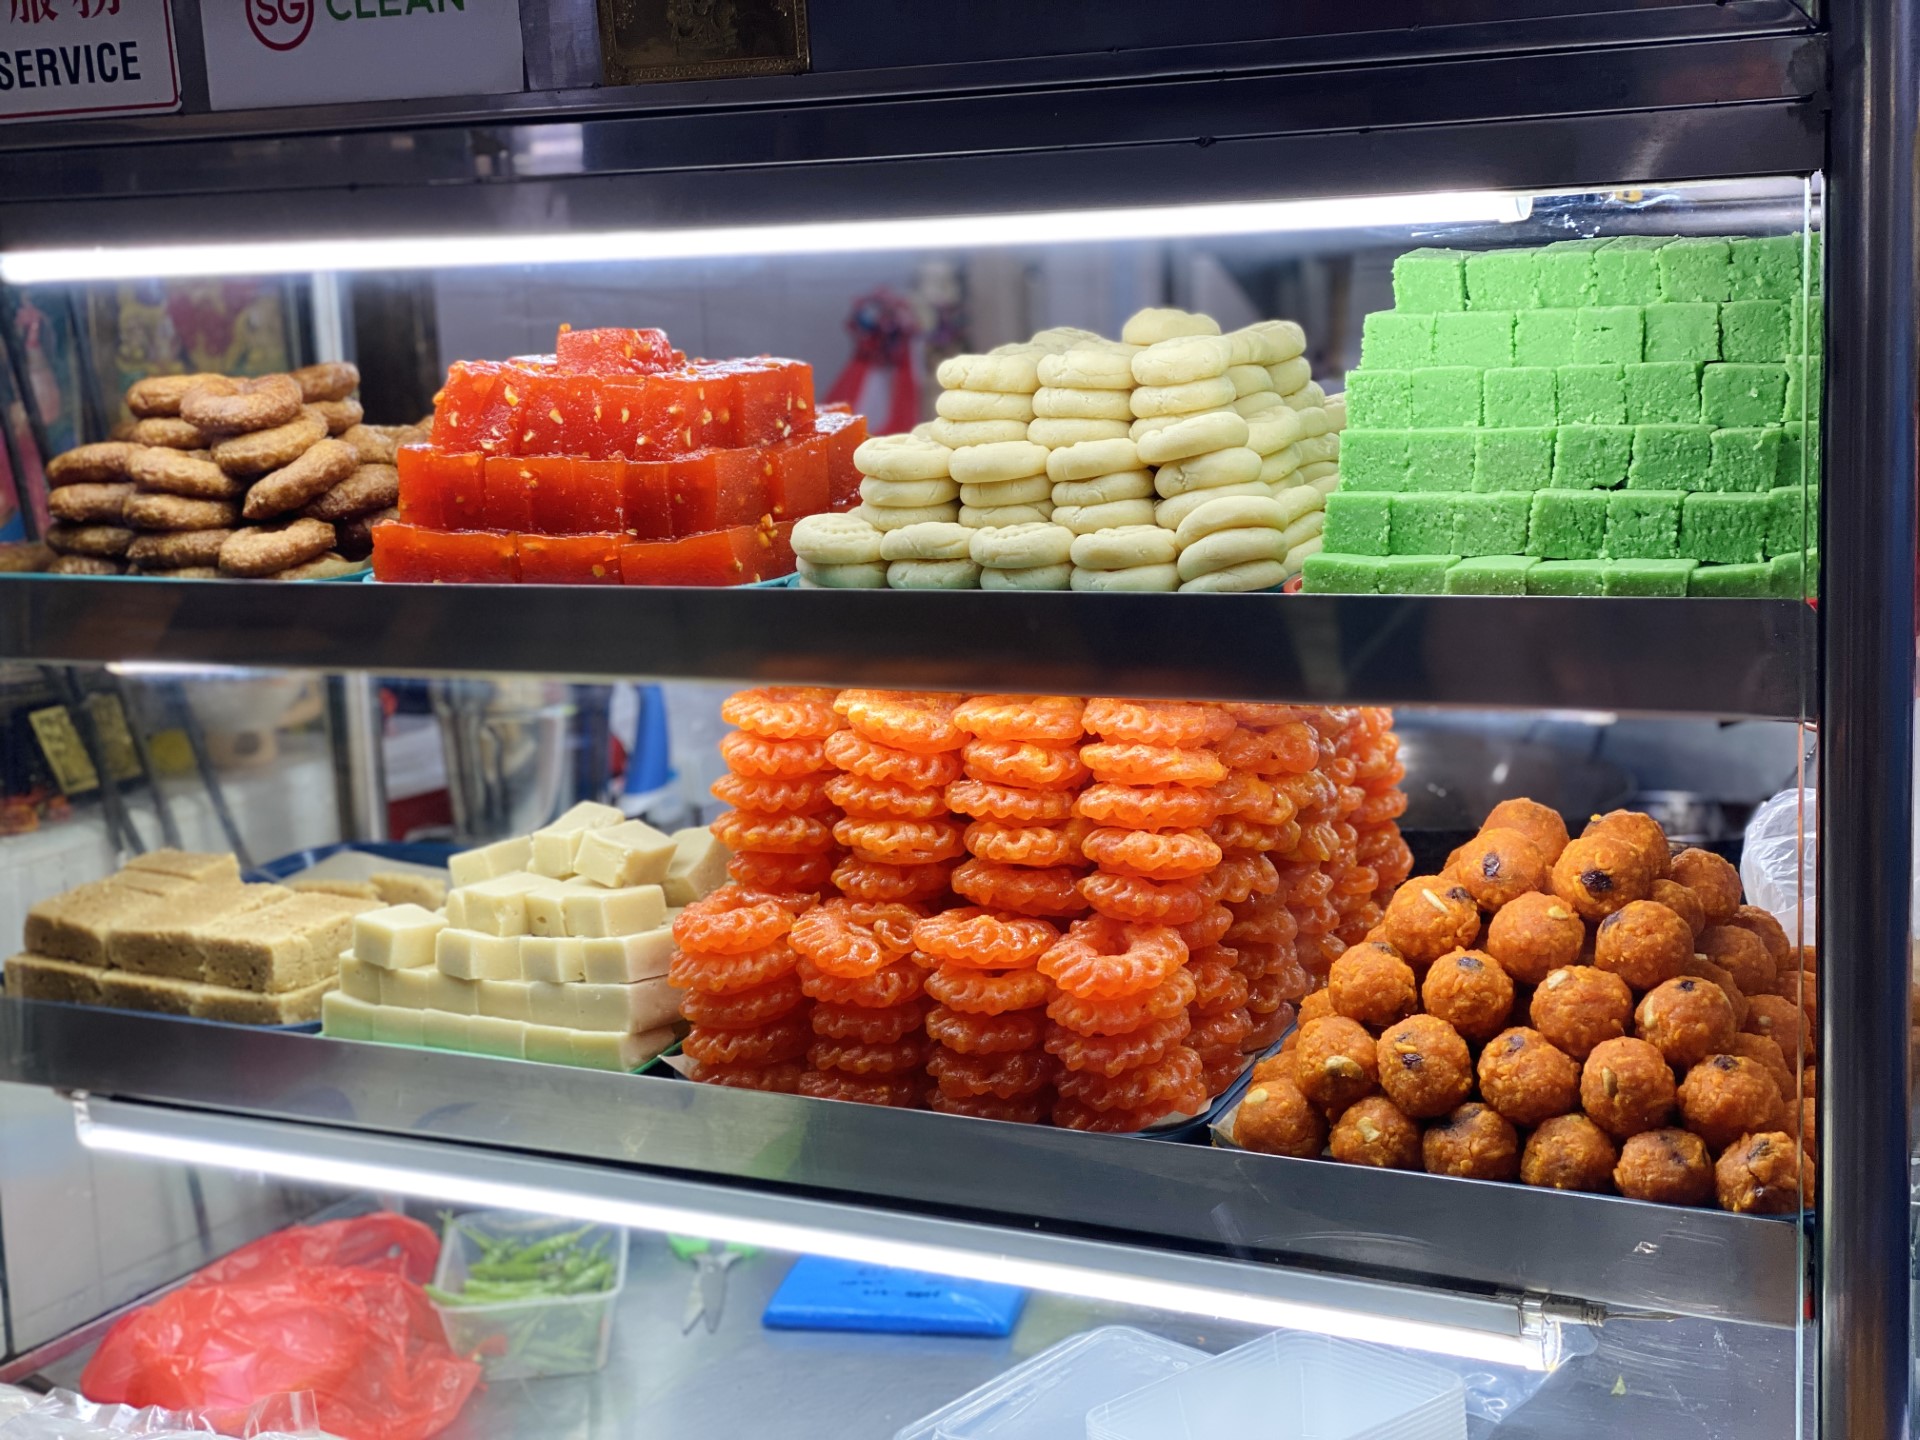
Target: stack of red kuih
{"points": [[616, 460]]}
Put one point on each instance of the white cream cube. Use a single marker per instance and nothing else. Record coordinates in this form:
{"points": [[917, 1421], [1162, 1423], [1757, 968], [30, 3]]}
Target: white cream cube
{"points": [[546, 909], [498, 906], [408, 989], [550, 1044], [346, 1018], [633, 853], [550, 1004], [489, 1035], [622, 959], [502, 857], [556, 960], [398, 1027], [444, 1030], [505, 999], [398, 937], [639, 1006], [457, 997], [699, 865], [469, 955], [555, 845], [627, 911], [359, 979], [605, 1050]]}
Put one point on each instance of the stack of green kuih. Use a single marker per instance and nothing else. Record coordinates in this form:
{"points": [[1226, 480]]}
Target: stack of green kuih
{"points": [[1593, 417]]}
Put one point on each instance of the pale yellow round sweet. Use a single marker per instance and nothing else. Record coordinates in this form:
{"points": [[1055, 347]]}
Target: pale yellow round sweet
{"points": [[1056, 402], [1297, 556], [1317, 471], [830, 539], [1007, 492], [1157, 578], [1249, 380], [1240, 579], [1112, 515], [1055, 434], [981, 517], [1309, 396], [1279, 467], [1154, 424], [1321, 449], [1091, 367], [1235, 465], [1058, 339], [1313, 422], [1298, 501], [932, 540], [1272, 431], [1263, 402], [1034, 577], [1325, 484], [1195, 435], [983, 405], [1151, 326], [965, 434], [1336, 408], [841, 577], [1151, 400], [1226, 548], [1232, 512], [1171, 513], [1004, 460], [1271, 342], [1103, 489], [933, 575], [1090, 458], [1011, 370], [1020, 547], [901, 458], [1304, 529], [1183, 360], [894, 494], [1124, 547], [1291, 375], [898, 517]]}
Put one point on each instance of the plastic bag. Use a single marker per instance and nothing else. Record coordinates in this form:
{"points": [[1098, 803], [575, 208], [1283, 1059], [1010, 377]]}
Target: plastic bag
{"points": [[1778, 863], [334, 1310], [63, 1415]]}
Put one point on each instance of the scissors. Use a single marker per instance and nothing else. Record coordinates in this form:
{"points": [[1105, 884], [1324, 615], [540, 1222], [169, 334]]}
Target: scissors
{"points": [[707, 1298]]}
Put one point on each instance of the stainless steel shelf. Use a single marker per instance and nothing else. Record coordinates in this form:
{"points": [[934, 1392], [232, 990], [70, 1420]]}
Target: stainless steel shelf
{"points": [[1458, 1237], [1727, 658]]}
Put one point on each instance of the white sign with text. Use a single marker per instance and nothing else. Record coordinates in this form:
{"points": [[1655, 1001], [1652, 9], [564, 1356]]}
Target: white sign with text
{"points": [[62, 59], [264, 53]]}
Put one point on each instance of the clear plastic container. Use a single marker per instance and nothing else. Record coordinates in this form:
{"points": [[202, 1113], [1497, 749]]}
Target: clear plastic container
{"points": [[1048, 1396], [1291, 1386], [526, 1339]]}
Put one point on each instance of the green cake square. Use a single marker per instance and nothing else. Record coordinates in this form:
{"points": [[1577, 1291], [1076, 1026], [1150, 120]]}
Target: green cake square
{"points": [[1380, 399], [1743, 394], [1744, 460], [1503, 280], [1327, 573], [1566, 577], [1567, 524], [1422, 524], [1682, 332], [1670, 457], [1591, 457], [1566, 273], [1667, 393], [1358, 522], [1625, 271], [1490, 575], [1789, 510], [1647, 577], [1805, 375], [1415, 574], [1512, 459], [1799, 454], [1731, 582], [1491, 524], [1445, 396], [1481, 338], [1438, 460], [1642, 525], [1725, 529], [1591, 394], [1396, 340], [1800, 339], [1522, 396], [1374, 459], [1545, 337], [1608, 334], [1430, 280], [1765, 267], [1795, 576], [1755, 330], [1696, 269]]}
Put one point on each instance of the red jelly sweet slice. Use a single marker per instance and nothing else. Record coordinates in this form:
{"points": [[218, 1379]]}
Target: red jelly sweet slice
{"points": [[411, 553], [759, 400], [569, 559], [613, 351], [550, 410], [716, 489], [645, 499], [721, 557], [797, 477], [506, 492], [576, 497], [475, 409], [442, 492], [845, 433]]}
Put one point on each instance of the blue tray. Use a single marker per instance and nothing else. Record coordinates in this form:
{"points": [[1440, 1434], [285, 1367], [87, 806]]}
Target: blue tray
{"points": [[821, 1294], [425, 852]]}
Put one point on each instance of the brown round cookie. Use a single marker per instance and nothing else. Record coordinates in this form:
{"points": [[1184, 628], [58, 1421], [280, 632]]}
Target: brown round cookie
{"points": [[84, 565], [329, 380], [1781, 1021], [169, 432], [1427, 917], [1764, 1174], [183, 572], [1639, 830], [1475, 1142], [90, 464], [146, 511], [1469, 990], [175, 551], [1535, 935], [1545, 827], [340, 415], [1742, 954], [272, 448], [1337, 1062], [1569, 1152], [1498, 866], [1599, 874], [326, 567], [89, 503], [1764, 1049], [1715, 881], [1626, 1086], [1705, 969], [308, 478], [356, 535], [1276, 1119], [1670, 1166], [1373, 1131], [1579, 1007], [1682, 901], [228, 406], [1527, 1078], [103, 542], [375, 447], [1687, 1020], [1771, 932], [162, 394], [268, 549], [1727, 1096], [1644, 943], [1372, 984], [1424, 1066], [368, 488], [177, 472]]}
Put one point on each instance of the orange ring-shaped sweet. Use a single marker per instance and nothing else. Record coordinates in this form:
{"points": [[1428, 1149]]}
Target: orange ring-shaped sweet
{"points": [[1129, 764], [1102, 959], [1146, 807], [868, 1025], [1331, 720], [725, 974], [1288, 986], [1118, 1017], [1019, 1073], [1310, 791], [746, 754], [782, 712], [1252, 797], [984, 1034], [1340, 769], [1217, 984], [907, 1053], [1278, 927], [773, 794], [1221, 1030], [919, 722], [1300, 884], [1051, 719], [764, 1045], [781, 1079], [853, 752], [1128, 897], [854, 938], [733, 920], [1152, 854], [884, 799], [1025, 892], [744, 1009], [1078, 1115], [1318, 952], [1262, 714], [1036, 847], [900, 1092], [875, 880], [894, 985], [971, 937], [1356, 880], [1241, 876], [1010, 804], [1231, 832], [1318, 844], [1283, 750], [1180, 724], [1380, 772], [1021, 1110], [784, 874], [900, 842], [988, 992], [1024, 763], [780, 834], [1381, 809], [1210, 929], [1172, 1084], [1112, 1055]]}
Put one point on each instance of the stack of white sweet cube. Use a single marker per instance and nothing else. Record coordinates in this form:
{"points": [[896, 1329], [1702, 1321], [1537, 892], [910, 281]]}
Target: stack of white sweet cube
{"points": [[552, 947]]}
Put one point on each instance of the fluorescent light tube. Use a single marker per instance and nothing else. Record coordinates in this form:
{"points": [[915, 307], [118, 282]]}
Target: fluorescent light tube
{"points": [[829, 237]]}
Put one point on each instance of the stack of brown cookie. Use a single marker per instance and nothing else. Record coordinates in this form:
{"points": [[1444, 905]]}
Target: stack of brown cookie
{"points": [[269, 478]]}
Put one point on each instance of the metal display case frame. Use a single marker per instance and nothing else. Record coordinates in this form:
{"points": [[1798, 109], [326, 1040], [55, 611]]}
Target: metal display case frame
{"points": [[1510, 96]]}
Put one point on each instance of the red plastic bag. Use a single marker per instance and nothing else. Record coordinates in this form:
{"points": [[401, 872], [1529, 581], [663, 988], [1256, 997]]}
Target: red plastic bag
{"points": [[335, 1310]]}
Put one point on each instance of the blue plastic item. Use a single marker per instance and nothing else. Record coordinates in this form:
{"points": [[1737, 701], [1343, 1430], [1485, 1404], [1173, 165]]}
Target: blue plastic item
{"points": [[821, 1294], [649, 768], [423, 852]]}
